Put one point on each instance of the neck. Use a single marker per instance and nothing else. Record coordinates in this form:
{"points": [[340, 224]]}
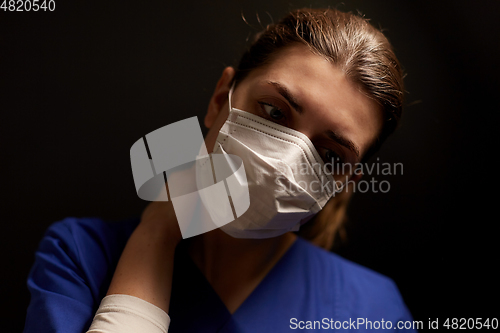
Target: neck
{"points": [[217, 254]]}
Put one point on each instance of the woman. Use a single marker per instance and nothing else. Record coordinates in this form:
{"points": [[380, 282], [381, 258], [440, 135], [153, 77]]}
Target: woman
{"points": [[325, 77]]}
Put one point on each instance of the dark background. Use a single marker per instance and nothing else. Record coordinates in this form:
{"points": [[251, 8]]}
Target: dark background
{"points": [[78, 86]]}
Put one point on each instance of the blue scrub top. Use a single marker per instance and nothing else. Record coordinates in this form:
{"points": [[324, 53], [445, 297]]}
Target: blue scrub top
{"points": [[308, 289]]}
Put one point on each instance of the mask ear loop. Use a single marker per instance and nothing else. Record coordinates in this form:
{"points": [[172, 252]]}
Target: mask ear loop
{"points": [[230, 95]]}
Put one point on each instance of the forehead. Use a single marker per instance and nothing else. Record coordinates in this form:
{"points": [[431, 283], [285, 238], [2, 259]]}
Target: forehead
{"points": [[324, 92]]}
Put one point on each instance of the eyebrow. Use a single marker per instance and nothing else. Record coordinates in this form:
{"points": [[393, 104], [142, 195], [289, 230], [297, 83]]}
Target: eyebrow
{"points": [[283, 91], [343, 141]]}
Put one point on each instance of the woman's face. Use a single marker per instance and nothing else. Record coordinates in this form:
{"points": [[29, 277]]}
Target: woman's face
{"points": [[307, 93]]}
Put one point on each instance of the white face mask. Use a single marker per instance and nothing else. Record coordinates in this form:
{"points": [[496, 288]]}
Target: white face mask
{"points": [[287, 179]]}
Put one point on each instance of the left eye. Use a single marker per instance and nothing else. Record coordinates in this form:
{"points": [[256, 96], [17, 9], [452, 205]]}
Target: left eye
{"points": [[331, 159], [273, 111]]}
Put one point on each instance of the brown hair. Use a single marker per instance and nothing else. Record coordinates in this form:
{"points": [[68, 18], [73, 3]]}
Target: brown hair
{"points": [[366, 57]]}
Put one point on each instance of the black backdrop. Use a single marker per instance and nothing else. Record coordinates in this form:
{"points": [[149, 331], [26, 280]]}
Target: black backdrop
{"points": [[81, 84]]}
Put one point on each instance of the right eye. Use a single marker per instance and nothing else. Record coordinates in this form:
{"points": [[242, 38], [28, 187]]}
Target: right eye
{"points": [[272, 111]]}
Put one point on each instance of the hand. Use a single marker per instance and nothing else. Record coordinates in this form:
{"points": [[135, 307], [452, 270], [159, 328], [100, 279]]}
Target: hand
{"points": [[159, 216]]}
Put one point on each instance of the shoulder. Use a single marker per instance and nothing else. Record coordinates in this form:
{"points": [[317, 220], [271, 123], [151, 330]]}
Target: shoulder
{"points": [[348, 274], [92, 226], [359, 292], [88, 238], [73, 267], [89, 231], [93, 244], [85, 245]]}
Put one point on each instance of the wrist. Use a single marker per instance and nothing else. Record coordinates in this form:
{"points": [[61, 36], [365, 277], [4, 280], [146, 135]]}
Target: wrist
{"points": [[159, 224], [157, 233]]}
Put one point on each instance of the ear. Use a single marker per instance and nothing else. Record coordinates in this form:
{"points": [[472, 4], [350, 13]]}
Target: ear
{"points": [[219, 97], [355, 178]]}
